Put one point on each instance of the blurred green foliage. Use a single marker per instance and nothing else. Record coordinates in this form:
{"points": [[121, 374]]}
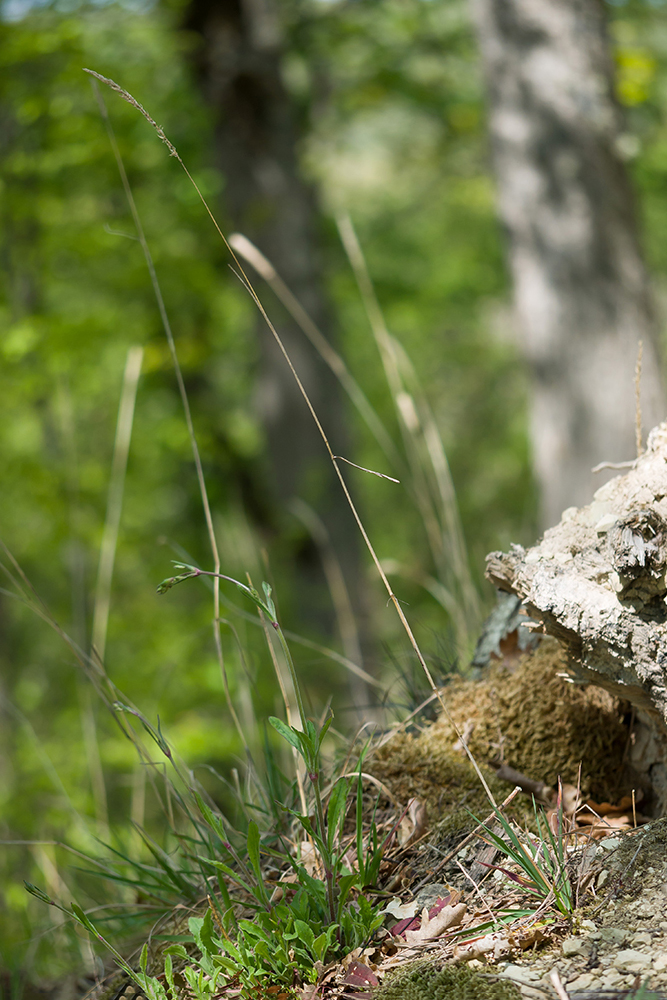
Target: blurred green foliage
{"points": [[391, 104]]}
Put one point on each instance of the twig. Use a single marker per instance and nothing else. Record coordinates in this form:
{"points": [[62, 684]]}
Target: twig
{"points": [[614, 465], [638, 401], [484, 903], [466, 840], [558, 985], [537, 788], [362, 468]]}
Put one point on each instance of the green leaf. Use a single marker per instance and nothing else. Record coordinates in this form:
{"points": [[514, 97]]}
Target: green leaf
{"points": [[176, 949], [253, 843], [305, 934], [172, 581], [253, 846], [345, 884], [38, 893], [325, 728], [221, 866], [292, 736], [311, 734], [271, 608], [336, 809]]}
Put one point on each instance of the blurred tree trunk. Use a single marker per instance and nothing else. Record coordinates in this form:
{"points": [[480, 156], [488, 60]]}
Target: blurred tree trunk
{"points": [[580, 284], [239, 65]]}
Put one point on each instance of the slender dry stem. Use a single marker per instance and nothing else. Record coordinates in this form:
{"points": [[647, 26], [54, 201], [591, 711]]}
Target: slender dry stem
{"points": [[115, 500], [177, 368], [433, 489], [638, 400], [251, 291]]}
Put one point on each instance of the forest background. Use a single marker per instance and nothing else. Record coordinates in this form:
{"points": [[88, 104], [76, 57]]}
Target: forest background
{"points": [[389, 102]]}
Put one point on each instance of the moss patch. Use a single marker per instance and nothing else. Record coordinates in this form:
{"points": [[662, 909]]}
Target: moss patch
{"points": [[425, 981], [544, 725]]}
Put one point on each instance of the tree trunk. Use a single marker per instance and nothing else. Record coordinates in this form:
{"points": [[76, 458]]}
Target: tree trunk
{"points": [[265, 198], [580, 284], [597, 582]]}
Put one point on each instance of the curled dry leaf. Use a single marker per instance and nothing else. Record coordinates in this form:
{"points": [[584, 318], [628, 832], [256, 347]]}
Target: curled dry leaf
{"points": [[432, 927], [360, 975], [414, 825], [400, 910], [412, 923], [500, 943]]}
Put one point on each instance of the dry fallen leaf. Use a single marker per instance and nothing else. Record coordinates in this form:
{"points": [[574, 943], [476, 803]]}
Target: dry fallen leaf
{"points": [[400, 910], [502, 942], [413, 922], [432, 927], [414, 825], [360, 975]]}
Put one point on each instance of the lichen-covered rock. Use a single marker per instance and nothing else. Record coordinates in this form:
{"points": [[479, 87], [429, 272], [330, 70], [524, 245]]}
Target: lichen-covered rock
{"points": [[597, 582]]}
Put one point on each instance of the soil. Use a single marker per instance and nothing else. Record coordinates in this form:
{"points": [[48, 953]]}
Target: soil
{"points": [[543, 726]]}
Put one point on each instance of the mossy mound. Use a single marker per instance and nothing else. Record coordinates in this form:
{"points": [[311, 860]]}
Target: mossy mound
{"points": [[544, 726], [427, 981]]}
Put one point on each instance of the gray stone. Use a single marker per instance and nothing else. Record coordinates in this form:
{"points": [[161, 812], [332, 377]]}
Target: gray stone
{"points": [[613, 935], [575, 946], [632, 960]]}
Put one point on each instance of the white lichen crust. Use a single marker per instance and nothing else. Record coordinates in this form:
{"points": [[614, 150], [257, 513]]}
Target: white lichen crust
{"points": [[596, 581]]}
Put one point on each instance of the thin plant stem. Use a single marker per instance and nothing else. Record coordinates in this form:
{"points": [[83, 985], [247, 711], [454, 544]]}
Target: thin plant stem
{"points": [[369, 545], [246, 249], [109, 545], [181, 387], [288, 708], [415, 425]]}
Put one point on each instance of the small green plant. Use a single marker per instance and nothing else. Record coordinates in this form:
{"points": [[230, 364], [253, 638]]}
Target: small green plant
{"points": [[543, 864], [326, 916]]}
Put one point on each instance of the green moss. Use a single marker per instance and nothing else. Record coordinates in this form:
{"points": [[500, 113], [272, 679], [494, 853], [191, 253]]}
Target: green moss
{"points": [[427, 981]]}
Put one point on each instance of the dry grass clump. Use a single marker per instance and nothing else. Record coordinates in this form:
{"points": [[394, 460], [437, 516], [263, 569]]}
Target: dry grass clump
{"points": [[539, 723]]}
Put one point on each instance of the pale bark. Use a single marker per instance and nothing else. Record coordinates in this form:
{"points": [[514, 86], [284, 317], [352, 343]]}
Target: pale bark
{"points": [[564, 197], [597, 582]]}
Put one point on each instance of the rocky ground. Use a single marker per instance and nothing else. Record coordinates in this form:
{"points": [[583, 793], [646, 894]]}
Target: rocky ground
{"points": [[619, 941]]}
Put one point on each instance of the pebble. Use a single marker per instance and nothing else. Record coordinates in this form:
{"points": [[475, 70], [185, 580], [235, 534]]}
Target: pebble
{"points": [[519, 974], [575, 946], [582, 982], [611, 979], [631, 960], [613, 935]]}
